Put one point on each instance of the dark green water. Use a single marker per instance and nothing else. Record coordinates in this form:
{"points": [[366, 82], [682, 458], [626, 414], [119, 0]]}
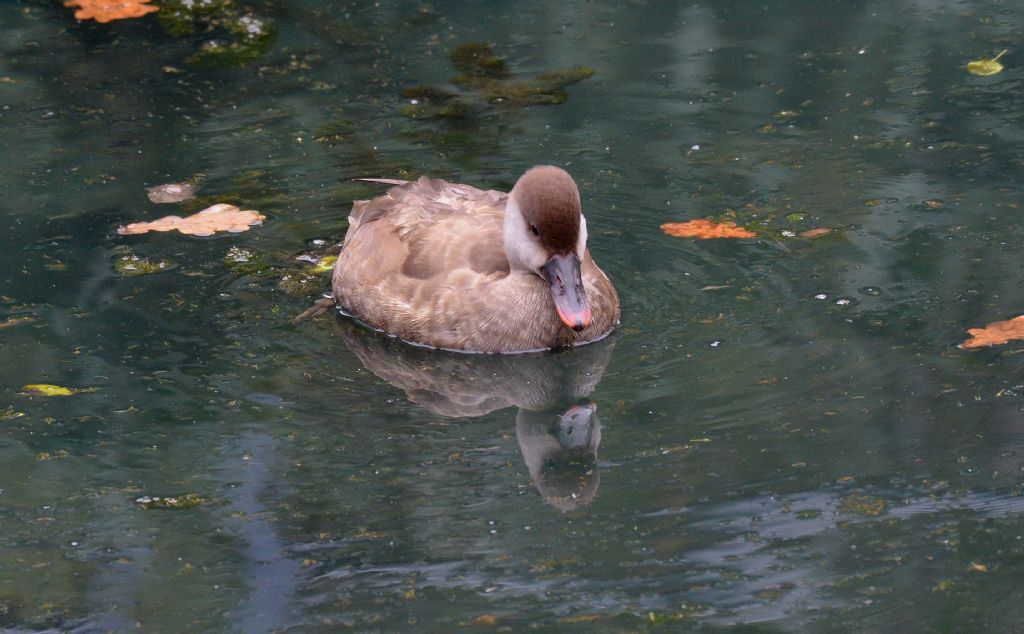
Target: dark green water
{"points": [[786, 434]]}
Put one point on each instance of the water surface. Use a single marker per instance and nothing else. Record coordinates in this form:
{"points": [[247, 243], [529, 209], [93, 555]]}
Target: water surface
{"points": [[783, 432]]}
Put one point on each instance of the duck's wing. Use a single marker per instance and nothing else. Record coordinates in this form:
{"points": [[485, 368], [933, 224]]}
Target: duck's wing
{"points": [[413, 205], [411, 252]]}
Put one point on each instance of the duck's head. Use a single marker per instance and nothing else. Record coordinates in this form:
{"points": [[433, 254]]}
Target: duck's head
{"points": [[546, 234]]}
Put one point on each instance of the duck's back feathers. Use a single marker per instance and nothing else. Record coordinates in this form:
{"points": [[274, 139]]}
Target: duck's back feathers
{"points": [[426, 262]]}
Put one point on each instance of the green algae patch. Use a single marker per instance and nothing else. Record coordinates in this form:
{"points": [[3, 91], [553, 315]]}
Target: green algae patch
{"points": [[301, 283], [234, 37], [484, 79], [244, 260], [176, 503], [131, 265], [866, 505], [476, 59]]}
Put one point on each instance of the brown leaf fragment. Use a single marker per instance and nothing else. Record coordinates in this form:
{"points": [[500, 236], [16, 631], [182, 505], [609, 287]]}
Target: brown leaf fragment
{"points": [[814, 233], [934, 203], [706, 229], [978, 567], [221, 217], [996, 333], [485, 619], [107, 10]]}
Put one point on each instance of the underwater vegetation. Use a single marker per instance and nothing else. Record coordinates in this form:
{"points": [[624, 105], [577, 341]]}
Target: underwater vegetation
{"points": [[485, 79]]}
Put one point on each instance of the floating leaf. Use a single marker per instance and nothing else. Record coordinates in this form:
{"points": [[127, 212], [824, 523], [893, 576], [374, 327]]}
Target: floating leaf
{"points": [[179, 502], [485, 619], [170, 193], [996, 333], [814, 233], [107, 10], [705, 229], [14, 320], [325, 264], [986, 67], [221, 217], [10, 413], [45, 389]]}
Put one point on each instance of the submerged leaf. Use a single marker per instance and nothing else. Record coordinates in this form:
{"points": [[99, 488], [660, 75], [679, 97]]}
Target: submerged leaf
{"points": [[814, 233], [705, 229], [996, 333], [221, 217], [107, 10], [985, 66]]}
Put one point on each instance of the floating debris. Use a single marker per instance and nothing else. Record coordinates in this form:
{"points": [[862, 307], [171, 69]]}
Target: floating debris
{"points": [[170, 193], [177, 503]]}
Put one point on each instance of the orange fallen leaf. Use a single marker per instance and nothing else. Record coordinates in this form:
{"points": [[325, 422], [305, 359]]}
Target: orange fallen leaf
{"points": [[814, 233], [485, 619], [705, 229], [220, 217], [996, 333], [107, 10]]}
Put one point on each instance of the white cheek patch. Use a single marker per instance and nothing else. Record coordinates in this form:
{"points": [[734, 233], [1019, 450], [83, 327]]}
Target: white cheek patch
{"points": [[581, 242], [521, 246]]}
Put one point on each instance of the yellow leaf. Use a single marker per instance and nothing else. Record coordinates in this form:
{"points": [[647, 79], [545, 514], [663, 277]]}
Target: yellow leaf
{"points": [[986, 67], [220, 217], [325, 264], [45, 389]]}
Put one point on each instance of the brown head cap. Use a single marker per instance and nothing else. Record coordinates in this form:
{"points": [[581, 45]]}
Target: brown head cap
{"points": [[550, 204]]}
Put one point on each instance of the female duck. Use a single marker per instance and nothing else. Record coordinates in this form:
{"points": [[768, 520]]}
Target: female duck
{"points": [[451, 266]]}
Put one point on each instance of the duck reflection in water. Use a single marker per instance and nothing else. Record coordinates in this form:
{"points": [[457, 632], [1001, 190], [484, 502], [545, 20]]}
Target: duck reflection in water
{"points": [[556, 425]]}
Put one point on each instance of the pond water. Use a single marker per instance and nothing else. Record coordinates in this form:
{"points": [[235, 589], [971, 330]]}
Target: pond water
{"points": [[783, 432]]}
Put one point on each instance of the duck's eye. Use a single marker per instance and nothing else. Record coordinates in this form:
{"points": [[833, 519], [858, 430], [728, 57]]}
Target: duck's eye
{"points": [[533, 228]]}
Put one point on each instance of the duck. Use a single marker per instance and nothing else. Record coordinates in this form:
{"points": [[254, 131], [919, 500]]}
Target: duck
{"points": [[450, 266]]}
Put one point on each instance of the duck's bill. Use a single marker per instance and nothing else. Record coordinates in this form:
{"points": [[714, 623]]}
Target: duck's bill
{"points": [[565, 282]]}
